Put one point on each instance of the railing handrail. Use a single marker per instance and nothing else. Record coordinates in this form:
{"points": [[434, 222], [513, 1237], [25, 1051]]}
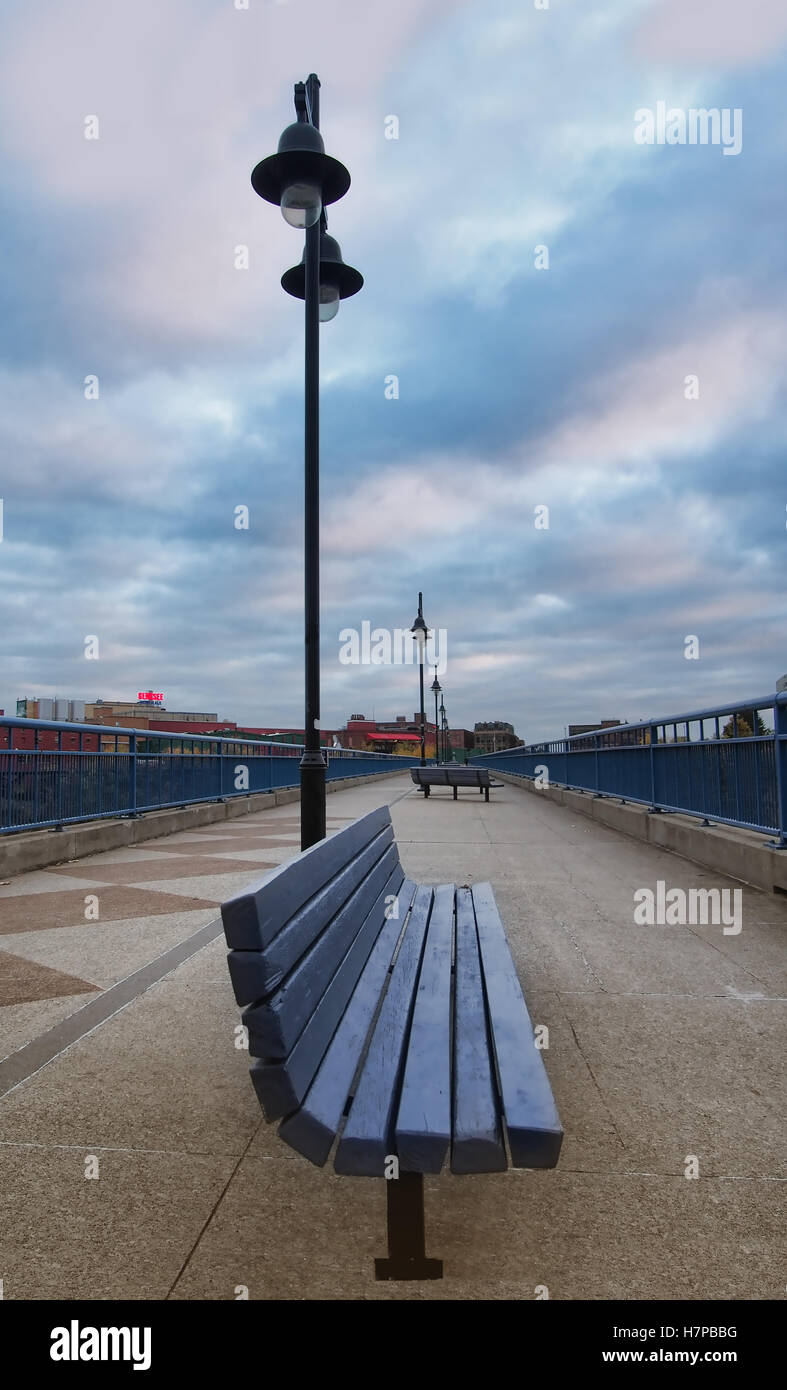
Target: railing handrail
{"points": [[111, 730], [695, 717]]}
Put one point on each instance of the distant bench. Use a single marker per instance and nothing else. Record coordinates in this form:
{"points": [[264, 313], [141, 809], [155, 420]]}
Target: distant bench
{"points": [[341, 960], [455, 777]]}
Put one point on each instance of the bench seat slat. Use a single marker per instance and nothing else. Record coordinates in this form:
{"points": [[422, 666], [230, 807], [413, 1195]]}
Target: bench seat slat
{"points": [[263, 971], [367, 1135], [534, 1130], [252, 918], [477, 1145], [312, 1129], [282, 1085], [275, 1024], [423, 1125]]}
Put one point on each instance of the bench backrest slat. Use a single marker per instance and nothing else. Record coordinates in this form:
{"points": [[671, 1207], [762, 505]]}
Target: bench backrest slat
{"points": [[471, 776], [257, 974], [313, 1129], [281, 1086], [423, 1124], [477, 1133], [534, 1130], [255, 916], [366, 1138], [275, 1024]]}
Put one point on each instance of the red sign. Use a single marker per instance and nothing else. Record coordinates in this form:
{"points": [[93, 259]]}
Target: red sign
{"points": [[149, 695]]}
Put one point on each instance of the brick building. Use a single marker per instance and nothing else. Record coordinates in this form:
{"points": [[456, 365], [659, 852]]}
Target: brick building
{"points": [[492, 735]]}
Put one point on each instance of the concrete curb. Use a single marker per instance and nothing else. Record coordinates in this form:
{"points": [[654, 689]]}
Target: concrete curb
{"points": [[740, 854], [38, 849]]}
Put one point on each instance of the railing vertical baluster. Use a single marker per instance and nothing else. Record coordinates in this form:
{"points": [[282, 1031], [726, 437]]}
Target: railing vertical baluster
{"points": [[780, 761], [36, 775], [59, 776], [736, 766], [755, 752], [653, 735], [132, 772]]}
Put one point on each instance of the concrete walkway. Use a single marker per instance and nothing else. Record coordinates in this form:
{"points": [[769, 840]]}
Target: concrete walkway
{"points": [[664, 1043]]}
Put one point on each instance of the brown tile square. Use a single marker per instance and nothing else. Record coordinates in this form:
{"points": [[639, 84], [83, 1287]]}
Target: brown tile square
{"points": [[23, 981], [44, 910], [179, 866]]}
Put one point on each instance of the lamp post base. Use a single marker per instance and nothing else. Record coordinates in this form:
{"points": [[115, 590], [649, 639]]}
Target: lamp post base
{"points": [[312, 799]]}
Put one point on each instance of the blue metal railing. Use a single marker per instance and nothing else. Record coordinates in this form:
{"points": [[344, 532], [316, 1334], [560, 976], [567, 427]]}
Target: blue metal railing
{"points": [[54, 773], [725, 764]]}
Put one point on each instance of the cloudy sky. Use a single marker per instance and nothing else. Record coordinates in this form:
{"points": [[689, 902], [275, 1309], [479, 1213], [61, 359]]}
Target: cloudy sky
{"points": [[520, 387]]}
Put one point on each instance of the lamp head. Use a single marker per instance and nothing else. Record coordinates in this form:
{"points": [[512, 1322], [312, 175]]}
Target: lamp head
{"points": [[337, 280], [300, 177]]}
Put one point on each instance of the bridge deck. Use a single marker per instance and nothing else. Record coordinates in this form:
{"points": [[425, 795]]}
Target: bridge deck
{"points": [[119, 1041]]}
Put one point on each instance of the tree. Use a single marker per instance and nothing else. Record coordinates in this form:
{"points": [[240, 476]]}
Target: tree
{"points": [[749, 723]]}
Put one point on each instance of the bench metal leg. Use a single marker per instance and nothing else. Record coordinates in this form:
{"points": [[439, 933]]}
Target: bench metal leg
{"points": [[486, 793], [406, 1239], [456, 789]]}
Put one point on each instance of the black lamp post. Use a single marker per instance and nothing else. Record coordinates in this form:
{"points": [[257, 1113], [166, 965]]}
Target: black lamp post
{"points": [[444, 730], [302, 179], [436, 689], [420, 633]]}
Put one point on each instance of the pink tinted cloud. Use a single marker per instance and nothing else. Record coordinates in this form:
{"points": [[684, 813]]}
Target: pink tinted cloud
{"points": [[714, 32]]}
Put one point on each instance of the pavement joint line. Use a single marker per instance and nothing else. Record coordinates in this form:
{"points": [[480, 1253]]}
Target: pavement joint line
{"points": [[592, 1076], [717, 946], [115, 1149], [567, 932], [19, 1066], [211, 1214], [670, 994], [637, 1173], [552, 1174]]}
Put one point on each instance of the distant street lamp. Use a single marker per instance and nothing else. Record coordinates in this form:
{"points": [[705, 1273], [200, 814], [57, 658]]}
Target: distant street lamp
{"points": [[444, 730], [302, 179], [420, 634], [436, 689]]}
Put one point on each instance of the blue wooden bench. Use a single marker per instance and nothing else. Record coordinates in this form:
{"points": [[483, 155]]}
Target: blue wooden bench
{"points": [[453, 776], [389, 1025]]}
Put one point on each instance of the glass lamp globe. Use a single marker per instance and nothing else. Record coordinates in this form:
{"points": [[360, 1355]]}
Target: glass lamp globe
{"points": [[329, 302], [301, 204]]}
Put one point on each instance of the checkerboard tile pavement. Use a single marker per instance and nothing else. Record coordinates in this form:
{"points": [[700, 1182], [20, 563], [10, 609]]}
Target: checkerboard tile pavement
{"points": [[69, 932]]}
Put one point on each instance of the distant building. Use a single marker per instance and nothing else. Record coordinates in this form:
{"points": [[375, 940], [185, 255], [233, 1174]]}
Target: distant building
{"points": [[574, 729], [145, 713], [460, 743], [402, 736], [148, 710], [493, 735], [279, 735], [67, 711]]}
